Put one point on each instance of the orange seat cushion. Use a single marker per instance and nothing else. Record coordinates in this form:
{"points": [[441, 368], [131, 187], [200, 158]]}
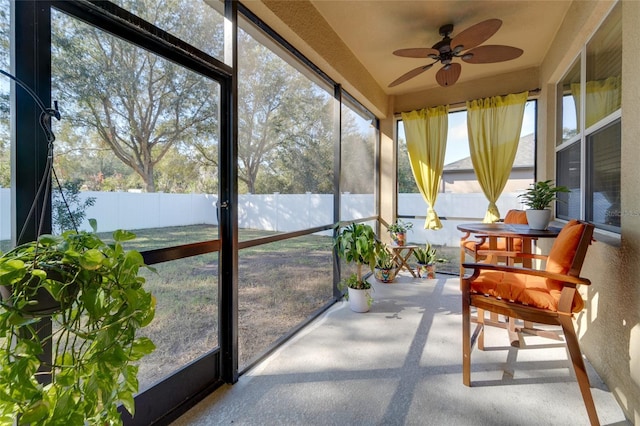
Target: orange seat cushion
{"points": [[537, 291], [521, 288]]}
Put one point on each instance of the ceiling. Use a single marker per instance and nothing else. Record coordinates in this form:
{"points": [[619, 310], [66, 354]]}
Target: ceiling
{"points": [[373, 29]]}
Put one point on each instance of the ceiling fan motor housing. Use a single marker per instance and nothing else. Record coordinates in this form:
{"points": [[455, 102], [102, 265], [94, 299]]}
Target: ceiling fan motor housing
{"points": [[445, 30]]}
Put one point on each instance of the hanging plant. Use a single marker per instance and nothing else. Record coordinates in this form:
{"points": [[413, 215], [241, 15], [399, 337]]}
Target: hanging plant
{"points": [[94, 295]]}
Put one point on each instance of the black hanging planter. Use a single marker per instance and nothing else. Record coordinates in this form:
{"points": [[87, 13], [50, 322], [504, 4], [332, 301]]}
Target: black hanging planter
{"points": [[39, 300]]}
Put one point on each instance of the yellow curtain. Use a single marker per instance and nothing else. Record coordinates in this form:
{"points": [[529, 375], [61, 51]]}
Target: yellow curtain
{"points": [[603, 98], [426, 132], [494, 126]]}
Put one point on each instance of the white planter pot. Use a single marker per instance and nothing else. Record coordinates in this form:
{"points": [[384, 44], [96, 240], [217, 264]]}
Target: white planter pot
{"points": [[538, 219], [359, 300]]}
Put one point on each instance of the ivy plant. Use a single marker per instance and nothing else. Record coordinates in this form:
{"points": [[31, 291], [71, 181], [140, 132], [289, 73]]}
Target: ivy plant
{"points": [[97, 305]]}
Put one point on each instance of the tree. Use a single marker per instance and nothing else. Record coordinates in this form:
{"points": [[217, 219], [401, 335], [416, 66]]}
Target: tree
{"points": [[282, 116], [406, 180], [358, 154], [139, 104], [68, 209]]}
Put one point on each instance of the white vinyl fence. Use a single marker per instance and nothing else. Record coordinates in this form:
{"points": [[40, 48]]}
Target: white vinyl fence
{"points": [[271, 212]]}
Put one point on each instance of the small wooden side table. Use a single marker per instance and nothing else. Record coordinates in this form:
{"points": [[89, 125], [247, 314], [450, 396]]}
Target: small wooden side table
{"points": [[401, 255]]}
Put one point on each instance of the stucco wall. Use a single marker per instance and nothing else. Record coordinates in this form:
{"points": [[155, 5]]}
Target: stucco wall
{"points": [[610, 326]]}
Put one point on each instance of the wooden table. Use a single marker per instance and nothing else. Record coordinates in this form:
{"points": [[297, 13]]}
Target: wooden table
{"points": [[401, 256], [509, 231]]}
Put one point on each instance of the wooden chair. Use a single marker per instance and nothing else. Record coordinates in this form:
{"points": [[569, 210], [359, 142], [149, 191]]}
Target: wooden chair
{"points": [[537, 296], [477, 249]]}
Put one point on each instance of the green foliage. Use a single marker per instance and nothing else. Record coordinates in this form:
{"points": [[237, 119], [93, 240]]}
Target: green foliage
{"points": [[399, 226], [65, 218], [285, 128], [427, 255], [353, 282], [130, 100], [406, 180], [384, 260], [357, 243], [101, 304], [540, 194]]}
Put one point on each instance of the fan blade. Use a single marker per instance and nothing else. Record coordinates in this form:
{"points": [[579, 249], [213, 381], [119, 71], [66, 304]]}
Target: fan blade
{"points": [[493, 53], [476, 34], [408, 76], [416, 52], [448, 77]]}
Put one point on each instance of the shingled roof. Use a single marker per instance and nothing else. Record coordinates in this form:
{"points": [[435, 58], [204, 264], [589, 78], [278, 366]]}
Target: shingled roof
{"points": [[524, 156]]}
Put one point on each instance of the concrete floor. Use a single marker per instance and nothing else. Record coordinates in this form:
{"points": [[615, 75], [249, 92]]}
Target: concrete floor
{"points": [[400, 364]]}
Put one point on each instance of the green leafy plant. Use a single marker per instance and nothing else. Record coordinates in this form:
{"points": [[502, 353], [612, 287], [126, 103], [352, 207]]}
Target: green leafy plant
{"points": [[427, 255], [400, 227], [541, 194], [99, 304], [357, 243], [353, 282], [384, 260], [398, 232], [386, 268]]}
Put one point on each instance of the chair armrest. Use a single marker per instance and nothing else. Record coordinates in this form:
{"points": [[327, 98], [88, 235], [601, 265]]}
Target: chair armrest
{"points": [[479, 239], [570, 279]]}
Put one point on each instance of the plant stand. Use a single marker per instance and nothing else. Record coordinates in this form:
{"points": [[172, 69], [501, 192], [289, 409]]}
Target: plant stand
{"points": [[401, 256]]}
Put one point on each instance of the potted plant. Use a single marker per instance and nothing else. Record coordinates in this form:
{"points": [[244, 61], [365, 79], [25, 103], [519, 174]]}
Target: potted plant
{"points": [[97, 304], [427, 259], [538, 198], [386, 268], [357, 243], [398, 232]]}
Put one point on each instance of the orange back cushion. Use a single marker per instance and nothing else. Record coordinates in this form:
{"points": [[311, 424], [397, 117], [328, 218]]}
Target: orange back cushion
{"points": [[564, 248], [516, 216], [561, 257]]}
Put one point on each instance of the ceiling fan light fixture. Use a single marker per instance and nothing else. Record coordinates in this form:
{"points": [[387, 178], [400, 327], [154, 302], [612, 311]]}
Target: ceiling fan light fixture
{"points": [[458, 49], [433, 56], [447, 66], [467, 56]]}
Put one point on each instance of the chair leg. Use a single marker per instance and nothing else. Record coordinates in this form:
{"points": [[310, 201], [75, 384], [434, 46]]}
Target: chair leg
{"points": [[480, 314], [466, 336], [579, 367], [515, 336]]}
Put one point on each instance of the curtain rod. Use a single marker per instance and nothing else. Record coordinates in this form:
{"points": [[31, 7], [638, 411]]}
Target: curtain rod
{"points": [[460, 104]]}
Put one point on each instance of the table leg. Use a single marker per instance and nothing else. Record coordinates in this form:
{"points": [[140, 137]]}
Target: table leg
{"points": [[404, 260], [527, 244]]}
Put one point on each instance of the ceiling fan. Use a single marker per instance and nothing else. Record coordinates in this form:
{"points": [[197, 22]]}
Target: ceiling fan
{"points": [[465, 46]]}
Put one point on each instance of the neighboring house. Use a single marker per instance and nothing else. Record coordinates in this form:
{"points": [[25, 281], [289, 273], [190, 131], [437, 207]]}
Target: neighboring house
{"points": [[459, 176]]}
